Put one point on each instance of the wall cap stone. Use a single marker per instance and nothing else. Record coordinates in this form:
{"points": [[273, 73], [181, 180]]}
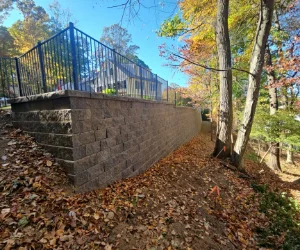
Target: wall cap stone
{"points": [[82, 94]]}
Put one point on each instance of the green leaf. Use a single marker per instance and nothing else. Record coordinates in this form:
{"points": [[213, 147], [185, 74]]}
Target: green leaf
{"points": [[23, 222]]}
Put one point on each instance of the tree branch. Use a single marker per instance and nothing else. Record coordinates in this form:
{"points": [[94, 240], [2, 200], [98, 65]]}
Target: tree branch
{"points": [[210, 68], [119, 5]]}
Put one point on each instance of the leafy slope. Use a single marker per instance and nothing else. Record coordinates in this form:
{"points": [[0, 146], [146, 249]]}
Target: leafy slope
{"points": [[173, 205]]}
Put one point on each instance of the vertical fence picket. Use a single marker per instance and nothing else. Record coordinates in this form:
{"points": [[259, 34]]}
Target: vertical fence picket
{"points": [[18, 76], [73, 54], [115, 70], [42, 66], [71, 59]]}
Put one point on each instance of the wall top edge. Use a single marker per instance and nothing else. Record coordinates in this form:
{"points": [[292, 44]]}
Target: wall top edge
{"points": [[81, 94]]}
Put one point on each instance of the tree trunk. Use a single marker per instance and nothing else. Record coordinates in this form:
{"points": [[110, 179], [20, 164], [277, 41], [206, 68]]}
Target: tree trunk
{"points": [[290, 155], [256, 64], [224, 127], [274, 157]]}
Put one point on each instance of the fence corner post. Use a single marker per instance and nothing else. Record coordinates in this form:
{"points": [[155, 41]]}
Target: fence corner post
{"points": [[167, 91], [156, 87], [73, 55], [141, 79], [115, 70], [19, 76], [42, 66]]}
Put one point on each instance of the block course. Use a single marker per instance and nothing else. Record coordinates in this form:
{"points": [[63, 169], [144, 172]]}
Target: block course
{"points": [[101, 139]]}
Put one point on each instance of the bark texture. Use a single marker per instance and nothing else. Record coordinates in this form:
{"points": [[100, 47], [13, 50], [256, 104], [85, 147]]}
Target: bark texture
{"points": [[290, 155], [256, 64], [225, 106], [274, 155]]}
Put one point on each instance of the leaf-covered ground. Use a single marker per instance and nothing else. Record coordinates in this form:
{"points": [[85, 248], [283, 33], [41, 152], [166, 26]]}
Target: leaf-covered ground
{"points": [[186, 201]]}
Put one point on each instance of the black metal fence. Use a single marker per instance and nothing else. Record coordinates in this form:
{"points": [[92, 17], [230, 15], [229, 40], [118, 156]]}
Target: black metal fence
{"points": [[8, 80], [74, 60]]}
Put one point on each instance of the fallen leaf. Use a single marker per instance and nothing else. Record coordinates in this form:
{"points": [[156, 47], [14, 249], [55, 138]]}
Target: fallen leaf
{"points": [[49, 163]]}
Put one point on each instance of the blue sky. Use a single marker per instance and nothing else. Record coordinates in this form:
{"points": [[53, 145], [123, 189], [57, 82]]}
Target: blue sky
{"points": [[94, 15]]}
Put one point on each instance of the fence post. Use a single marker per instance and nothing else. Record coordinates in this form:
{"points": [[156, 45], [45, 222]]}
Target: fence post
{"points": [[175, 96], [141, 79], [73, 55], [19, 77], [167, 91], [156, 83], [115, 70], [42, 66]]}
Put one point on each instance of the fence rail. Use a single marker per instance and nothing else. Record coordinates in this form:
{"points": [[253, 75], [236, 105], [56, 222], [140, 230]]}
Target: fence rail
{"points": [[74, 60]]}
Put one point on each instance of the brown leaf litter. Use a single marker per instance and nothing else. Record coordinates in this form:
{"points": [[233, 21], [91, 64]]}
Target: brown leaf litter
{"points": [[186, 201]]}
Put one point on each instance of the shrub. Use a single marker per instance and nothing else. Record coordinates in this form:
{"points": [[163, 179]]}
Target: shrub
{"points": [[109, 91], [283, 213], [205, 114], [146, 97]]}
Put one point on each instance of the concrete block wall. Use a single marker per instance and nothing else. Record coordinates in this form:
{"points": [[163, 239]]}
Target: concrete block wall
{"points": [[101, 139]]}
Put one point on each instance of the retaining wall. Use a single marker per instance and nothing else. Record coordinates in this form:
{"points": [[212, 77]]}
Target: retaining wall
{"points": [[100, 139]]}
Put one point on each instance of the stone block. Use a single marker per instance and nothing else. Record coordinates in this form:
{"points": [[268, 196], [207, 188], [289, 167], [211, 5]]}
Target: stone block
{"points": [[32, 104], [108, 143], [96, 170], [92, 148], [81, 126], [109, 163], [80, 114], [129, 144], [116, 149], [79, 152], [111, 112], [103, 178], [100, 134], [90, 185], [133, 150], [132, 135], [85, 163], [105, 123], [118, 169], [79, 103], [45, 127], [79, 178], [127, 172], [64, 153], [44, 115], [53, 139], [83, 138], [119, 121], [123, 137], [97, 113], [124, 129], [103, 155], [113, 132]]}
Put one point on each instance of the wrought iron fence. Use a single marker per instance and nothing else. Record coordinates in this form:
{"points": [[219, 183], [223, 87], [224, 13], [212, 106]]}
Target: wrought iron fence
{"points": [[179, 98], [74, 60]]}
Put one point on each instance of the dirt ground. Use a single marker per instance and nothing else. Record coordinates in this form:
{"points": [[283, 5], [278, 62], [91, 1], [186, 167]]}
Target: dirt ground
{"points": [[186, 201]]}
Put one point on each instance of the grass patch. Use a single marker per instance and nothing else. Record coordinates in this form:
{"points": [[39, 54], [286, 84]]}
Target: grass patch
{"points": [[283, 212], [252, 156], [5, 108]]}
